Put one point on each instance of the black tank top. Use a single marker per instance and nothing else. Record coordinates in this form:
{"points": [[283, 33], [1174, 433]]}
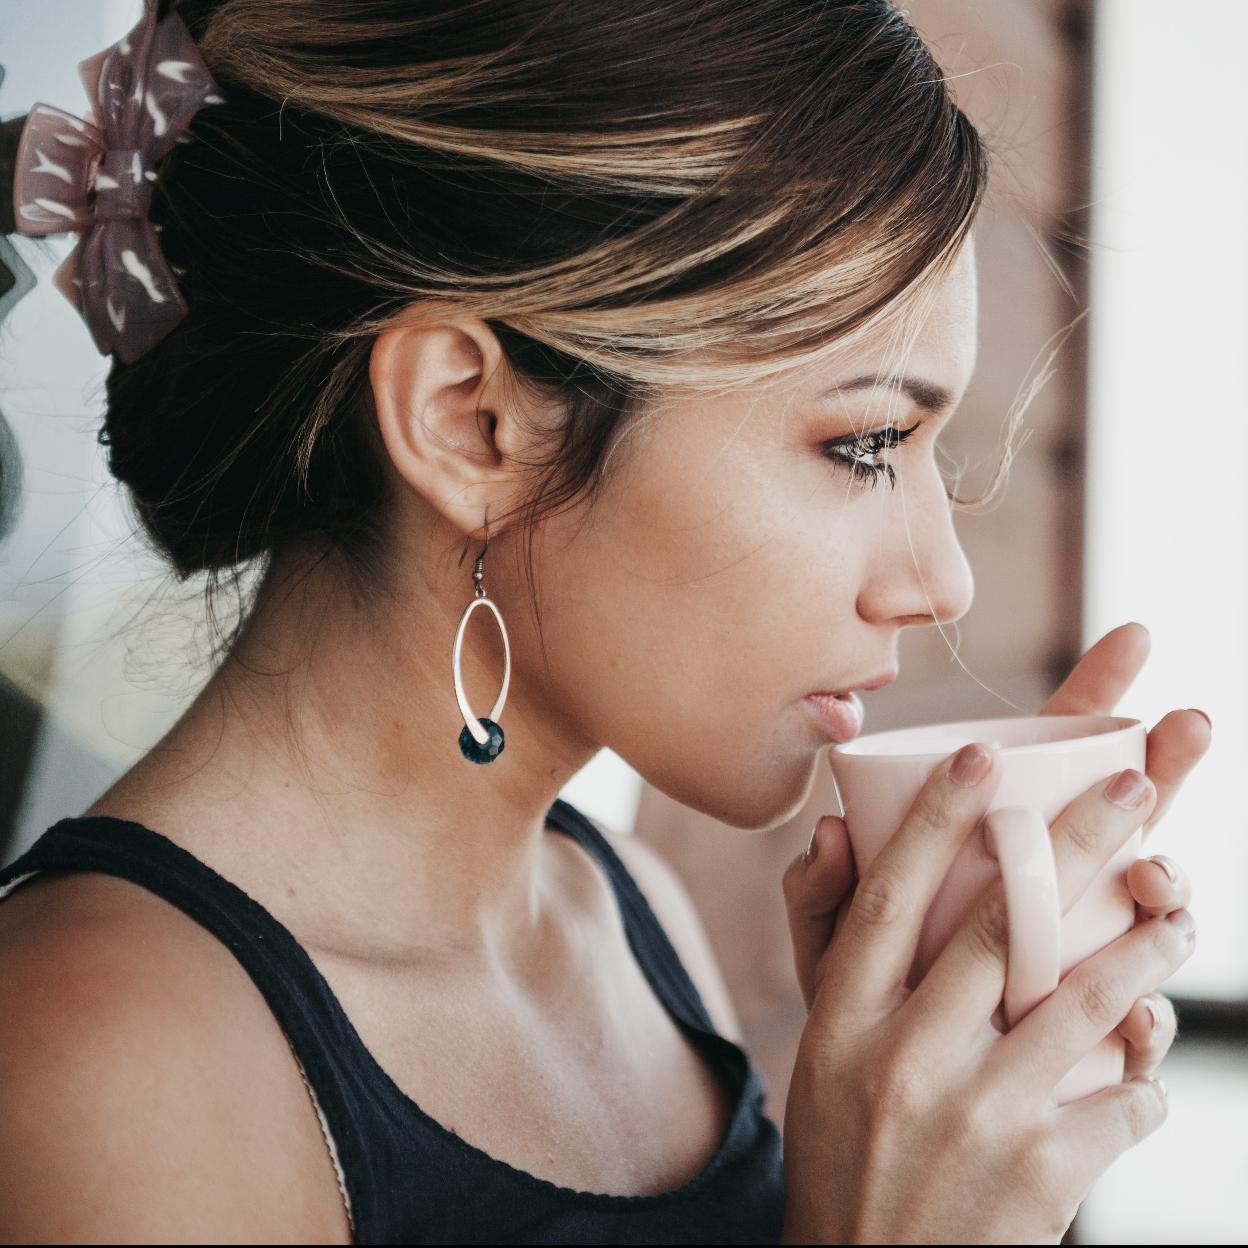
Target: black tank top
{"points": [[404, 1177]]}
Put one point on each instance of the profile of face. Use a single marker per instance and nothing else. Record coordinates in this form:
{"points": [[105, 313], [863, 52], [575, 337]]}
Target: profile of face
{"points": [[732, 563]]}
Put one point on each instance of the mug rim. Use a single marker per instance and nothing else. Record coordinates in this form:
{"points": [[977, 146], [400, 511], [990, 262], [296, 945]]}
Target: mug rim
{"points": [[846, 750]]}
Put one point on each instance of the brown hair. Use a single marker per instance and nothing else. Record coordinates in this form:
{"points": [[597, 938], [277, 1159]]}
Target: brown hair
{"points": [[610, 186]]}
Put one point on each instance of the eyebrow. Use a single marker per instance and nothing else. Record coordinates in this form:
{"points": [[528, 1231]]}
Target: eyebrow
{"points": [[927, 395]]}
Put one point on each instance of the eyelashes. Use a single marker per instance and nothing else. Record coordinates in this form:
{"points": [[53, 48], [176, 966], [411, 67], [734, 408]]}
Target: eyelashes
{"points": [[851, 449]]}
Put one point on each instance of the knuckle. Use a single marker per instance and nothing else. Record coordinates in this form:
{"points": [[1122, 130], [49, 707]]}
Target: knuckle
{"points": [[936, 809], [1083, 832], [989, 931], [1098, 999], [876, 902]]}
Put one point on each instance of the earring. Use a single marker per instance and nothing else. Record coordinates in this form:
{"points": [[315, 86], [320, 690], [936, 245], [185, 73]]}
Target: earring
{"points": [[481, 740]]}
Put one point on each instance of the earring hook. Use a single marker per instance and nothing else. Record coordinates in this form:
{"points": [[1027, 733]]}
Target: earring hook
{"points": [[478, 569], [463, 554]]}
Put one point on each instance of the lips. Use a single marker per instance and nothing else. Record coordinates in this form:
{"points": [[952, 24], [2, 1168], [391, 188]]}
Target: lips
{"points": [[875, 682], [839, 716], [840, 713]]}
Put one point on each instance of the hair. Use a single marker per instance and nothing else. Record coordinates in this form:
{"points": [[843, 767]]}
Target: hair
{"points": [[610, 187]]}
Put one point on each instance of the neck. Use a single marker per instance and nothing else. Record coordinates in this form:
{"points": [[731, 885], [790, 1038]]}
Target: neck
{"points": [[323, 758]]}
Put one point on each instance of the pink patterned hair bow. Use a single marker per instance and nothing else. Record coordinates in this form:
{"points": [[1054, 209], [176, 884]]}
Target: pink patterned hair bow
{"points": [[72, 175]]}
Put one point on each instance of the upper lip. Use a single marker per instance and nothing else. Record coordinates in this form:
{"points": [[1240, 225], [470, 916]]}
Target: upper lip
{"points": [[875, 682]]}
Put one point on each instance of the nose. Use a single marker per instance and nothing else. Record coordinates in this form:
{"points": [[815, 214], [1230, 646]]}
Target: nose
{"points": [[920, 575]]}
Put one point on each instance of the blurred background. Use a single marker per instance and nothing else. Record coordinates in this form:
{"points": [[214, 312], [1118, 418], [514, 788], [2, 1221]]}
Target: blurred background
{"points": [[1113, 277]]}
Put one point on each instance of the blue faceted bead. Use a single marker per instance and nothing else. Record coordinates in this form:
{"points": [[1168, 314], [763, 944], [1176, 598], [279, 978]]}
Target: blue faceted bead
{"points": [[486, 753]]}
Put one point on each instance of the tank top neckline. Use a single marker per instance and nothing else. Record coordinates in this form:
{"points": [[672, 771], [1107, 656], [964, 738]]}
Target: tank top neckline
{"points": [[722, 1055]]}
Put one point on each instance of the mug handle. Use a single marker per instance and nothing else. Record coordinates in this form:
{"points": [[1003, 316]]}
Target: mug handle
{"points": [[1019, 840]]}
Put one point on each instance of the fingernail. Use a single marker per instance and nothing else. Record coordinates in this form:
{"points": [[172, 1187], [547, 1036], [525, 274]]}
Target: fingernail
{"points": [[970, 765], [813, 848], [1128, 789], [1167, 866], [1154, 1014], [1201, 713]]}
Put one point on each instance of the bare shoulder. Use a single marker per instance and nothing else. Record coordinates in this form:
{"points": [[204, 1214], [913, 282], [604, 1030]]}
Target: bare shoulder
{"points": [[147, 1093], [674, 908]]}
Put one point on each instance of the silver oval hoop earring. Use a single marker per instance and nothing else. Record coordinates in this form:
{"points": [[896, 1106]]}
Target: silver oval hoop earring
{"points": [[481, 740]]}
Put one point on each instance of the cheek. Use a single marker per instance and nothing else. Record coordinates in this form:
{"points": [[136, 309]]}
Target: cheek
{"points": [[611, 592], [684, 625]]}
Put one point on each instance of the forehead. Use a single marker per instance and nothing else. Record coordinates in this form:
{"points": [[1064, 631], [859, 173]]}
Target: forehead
{"points": [[947, 336], [939, 341]]}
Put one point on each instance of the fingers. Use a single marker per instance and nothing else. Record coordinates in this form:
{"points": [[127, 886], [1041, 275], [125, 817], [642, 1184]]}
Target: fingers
{"points": [[1103, 674], [814, 887], [1101, 1127], [1094, 687], [1094, 826], [877, 938], [1159, 885], [1175, 745], [967, 980], [1149, 1030], [1093, 999]]}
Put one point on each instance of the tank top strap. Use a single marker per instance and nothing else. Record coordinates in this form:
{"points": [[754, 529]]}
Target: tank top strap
{"points": [[310, 1016], [650, 943]]}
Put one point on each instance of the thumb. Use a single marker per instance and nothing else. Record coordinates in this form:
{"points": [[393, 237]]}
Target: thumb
{"points": [[814, 888]]}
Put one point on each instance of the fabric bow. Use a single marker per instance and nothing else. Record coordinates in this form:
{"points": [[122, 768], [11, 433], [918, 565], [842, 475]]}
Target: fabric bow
{"points": [[72, 174]]}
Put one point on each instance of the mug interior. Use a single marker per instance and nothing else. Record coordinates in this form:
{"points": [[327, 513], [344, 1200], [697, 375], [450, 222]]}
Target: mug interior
{"points": [[1015, 733]]}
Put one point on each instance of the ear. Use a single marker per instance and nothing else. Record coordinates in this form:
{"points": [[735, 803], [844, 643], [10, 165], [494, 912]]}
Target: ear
{"points": [[448, 418]]}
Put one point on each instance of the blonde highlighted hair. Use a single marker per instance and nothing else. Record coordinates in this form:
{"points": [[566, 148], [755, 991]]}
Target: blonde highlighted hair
{"points": [[633, 195]]}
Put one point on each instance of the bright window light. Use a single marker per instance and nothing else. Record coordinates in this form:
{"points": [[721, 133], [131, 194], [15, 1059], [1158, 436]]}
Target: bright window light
{"points": [[1167, 451]]}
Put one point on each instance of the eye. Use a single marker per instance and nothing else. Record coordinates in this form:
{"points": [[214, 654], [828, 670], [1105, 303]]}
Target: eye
{"points": [[852, 449]]}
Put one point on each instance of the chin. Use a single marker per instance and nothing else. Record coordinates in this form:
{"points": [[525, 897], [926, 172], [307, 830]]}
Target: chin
{"points": [[761, 798]]}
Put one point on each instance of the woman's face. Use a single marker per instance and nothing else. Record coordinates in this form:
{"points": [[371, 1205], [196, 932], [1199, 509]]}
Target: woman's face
{"points": [[729, 568]]}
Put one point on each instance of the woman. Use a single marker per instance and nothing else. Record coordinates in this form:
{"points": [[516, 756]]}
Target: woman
{"points": [[567, 304]]}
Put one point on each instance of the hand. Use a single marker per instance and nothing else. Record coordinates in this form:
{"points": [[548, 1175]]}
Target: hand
{"points": [[903, 1101], [1175, 745], [818, 888]]}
